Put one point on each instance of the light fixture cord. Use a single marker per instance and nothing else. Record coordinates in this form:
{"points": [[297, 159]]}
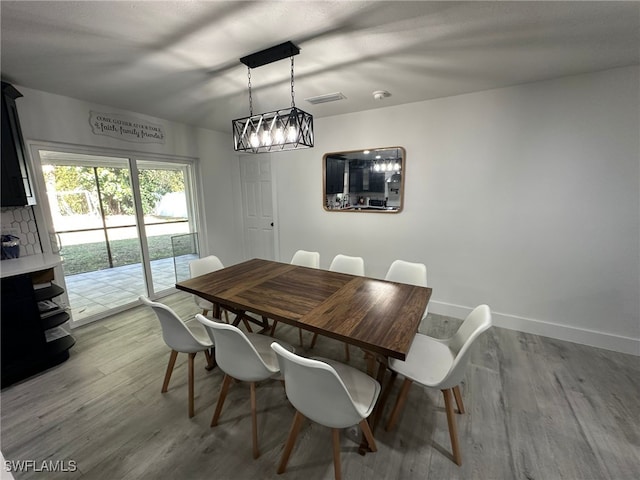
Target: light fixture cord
{"points": [[293, 103], [250, 98]]}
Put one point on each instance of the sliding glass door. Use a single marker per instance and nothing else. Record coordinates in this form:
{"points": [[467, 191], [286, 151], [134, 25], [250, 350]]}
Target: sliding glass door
{"points": [[167, 211], [114, 221]]}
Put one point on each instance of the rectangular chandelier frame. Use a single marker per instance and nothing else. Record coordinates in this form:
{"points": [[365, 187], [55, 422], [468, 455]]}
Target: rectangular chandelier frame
{"points": [[277, 131]]}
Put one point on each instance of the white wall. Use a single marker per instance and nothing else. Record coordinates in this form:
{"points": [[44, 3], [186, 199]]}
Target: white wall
{"points": [[54, 118], [221, 199], [525, 198]]}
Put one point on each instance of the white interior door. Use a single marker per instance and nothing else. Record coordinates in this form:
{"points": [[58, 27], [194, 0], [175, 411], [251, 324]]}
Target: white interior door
{"points": [[257, 206]]}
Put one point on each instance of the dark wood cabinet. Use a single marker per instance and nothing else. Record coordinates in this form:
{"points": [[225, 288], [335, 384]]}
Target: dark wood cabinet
{"points": [[16, 188], [376, 182], [361, 181], [31, 340], [334, 175]]}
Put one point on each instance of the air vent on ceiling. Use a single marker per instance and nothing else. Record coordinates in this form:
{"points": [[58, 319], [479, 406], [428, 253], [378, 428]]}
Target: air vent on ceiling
{"points": [[329, 97]]}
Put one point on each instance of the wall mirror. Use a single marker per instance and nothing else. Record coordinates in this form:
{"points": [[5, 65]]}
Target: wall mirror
{"points": [[368, 180]]}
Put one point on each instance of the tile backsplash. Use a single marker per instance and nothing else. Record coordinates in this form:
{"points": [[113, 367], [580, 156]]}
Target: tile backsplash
{"points": [[21, 222]]}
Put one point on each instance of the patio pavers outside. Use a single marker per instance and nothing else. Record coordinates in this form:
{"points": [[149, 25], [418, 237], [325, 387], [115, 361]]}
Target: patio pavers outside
{"points": [[93, 293]]}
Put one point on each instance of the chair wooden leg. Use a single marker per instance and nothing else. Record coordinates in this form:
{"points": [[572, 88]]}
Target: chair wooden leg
{"points": [[204, 312], [300, 337], [313, 340], [226, 316], [167, 375], [226, 383], [368, 434], [210, 360], [291, 440], [402, 398], [346, 352], [453, 432], [192, 357], [254, 421], [337, 469], [458, 397]]}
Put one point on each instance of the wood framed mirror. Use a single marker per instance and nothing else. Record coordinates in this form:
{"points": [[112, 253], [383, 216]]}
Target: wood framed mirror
{"points": [[368, 180]]}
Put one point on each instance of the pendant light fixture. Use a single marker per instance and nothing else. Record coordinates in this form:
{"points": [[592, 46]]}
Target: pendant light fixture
{"points": [[280, 130]]}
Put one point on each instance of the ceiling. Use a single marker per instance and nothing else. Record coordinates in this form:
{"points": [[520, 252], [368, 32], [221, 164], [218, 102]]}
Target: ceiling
{"points": [[178, 60]]}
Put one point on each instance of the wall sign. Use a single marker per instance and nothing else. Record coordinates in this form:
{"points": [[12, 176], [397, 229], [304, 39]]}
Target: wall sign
{"points": [[125, 127]]}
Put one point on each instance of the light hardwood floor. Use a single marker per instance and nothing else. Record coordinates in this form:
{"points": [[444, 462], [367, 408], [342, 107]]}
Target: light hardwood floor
{"points": [[536, 409]]}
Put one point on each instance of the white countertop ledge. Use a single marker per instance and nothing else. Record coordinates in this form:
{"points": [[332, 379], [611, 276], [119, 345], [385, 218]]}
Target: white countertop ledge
{"points": [[28, 264]]}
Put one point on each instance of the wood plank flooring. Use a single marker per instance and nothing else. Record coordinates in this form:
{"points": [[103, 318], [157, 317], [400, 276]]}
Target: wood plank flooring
{"points": [[537, 408]]}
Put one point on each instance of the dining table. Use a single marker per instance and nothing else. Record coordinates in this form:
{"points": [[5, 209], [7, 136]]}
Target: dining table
{"points": [[379, 316]]}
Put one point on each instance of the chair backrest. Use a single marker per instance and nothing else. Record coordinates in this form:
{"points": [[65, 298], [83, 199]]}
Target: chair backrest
{"points": [[204, 265], [408, 272], [235, 354], [174, 331], [306, 259], [346, 264], [315, 390], [477, 322]]}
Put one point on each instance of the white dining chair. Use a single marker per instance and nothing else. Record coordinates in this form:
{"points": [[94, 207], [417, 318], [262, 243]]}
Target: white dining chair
{"points": [[441, 364], [199, 267], [349, 265], [247, 357], [302, 258], [180, 339], [346, 264], [329, 393], [408, 272], [5, 474]]}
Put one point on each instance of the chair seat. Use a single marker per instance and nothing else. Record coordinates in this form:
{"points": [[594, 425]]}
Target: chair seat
{"points": [[262, 344], [199, 332], [363, 389], [428, 362]]}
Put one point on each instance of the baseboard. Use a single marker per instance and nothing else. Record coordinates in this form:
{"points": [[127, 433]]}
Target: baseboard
{"points": [[593, 338]]}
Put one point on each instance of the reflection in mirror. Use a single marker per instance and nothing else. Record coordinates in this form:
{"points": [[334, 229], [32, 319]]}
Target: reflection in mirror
{"points": [[364, 180]]}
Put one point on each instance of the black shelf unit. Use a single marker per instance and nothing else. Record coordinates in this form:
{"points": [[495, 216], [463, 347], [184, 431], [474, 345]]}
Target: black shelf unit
{"points": [[55, 320], [59, 348], [49, 292], [25, 349]]}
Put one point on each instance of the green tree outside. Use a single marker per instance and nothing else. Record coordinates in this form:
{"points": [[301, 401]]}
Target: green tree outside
{"points": [[115, 187]]}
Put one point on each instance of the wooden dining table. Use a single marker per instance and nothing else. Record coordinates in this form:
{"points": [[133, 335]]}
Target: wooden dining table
{"points": [[379, 316]]}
